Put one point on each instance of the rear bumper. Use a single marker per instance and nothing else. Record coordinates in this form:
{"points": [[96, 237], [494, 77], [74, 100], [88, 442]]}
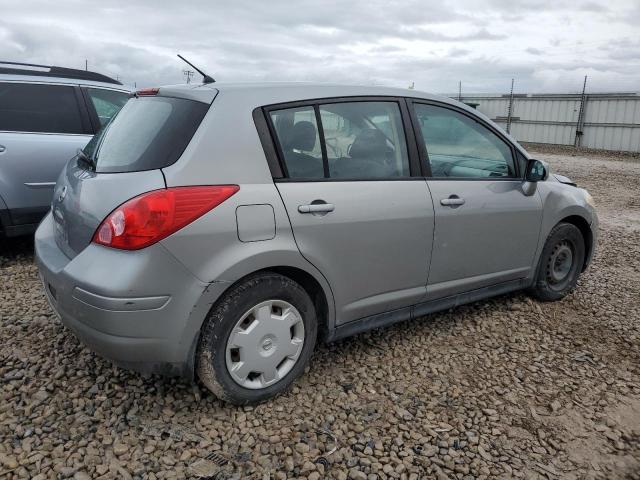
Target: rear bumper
{"points": [[134, 308]]}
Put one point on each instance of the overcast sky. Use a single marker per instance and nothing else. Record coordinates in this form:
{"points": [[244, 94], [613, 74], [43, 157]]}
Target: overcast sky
{"points": [[548, 46]]}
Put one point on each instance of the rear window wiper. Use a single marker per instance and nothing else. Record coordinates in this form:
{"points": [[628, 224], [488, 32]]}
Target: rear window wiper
{"points": [[83, 158]]}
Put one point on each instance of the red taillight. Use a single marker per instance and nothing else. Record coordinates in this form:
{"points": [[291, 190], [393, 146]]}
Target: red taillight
{"points": [[152, 216], [145, 92]]}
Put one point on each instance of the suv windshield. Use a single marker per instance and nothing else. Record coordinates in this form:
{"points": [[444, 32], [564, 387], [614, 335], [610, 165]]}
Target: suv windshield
{"points": [[147, 134]]}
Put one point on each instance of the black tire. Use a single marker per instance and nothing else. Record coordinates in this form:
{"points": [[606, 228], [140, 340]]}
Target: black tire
{"points": [[211, 364], [548, 286]]}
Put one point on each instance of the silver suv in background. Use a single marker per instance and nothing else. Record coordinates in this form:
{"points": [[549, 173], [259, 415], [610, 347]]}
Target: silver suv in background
{"points": [[220, 230], [46, 115]]}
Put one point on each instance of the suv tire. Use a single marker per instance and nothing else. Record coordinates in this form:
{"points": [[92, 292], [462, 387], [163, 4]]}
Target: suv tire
{"points": [[560, 263], [274, 354]]}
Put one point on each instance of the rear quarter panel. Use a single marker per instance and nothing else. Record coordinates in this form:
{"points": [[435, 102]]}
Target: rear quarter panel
{"points": [[226, 150]]}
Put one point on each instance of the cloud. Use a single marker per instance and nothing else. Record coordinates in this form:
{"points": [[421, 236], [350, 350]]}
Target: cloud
{"points": [[595, 7], [421, 33], [458, 52], [545, 45]]}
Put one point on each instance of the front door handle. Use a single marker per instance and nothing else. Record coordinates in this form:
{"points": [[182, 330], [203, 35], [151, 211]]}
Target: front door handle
{"points": [[2, 148], [452, 201], [317, 208]]}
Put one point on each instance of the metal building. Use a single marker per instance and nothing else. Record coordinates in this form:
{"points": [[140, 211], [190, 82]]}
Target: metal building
{"points": [[609, 121]]}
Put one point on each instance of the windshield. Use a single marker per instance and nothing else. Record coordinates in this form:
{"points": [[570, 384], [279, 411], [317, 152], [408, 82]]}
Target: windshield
{"points": [[147, 134]]}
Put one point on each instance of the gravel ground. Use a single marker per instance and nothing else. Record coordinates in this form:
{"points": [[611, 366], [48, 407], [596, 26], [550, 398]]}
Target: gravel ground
{"points": [[505, 388]]}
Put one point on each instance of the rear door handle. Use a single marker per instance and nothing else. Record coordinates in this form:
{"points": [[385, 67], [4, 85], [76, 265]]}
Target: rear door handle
{"points": [[2, 148], [317, 208], [452, 201]]}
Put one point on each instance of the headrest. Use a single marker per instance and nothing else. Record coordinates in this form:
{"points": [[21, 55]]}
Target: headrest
{"points": [[368, 143], [302, 137]]}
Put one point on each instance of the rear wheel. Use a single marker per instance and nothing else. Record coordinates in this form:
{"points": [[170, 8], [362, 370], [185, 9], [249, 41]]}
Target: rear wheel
{"points": [[560, 263], [257, 340]]}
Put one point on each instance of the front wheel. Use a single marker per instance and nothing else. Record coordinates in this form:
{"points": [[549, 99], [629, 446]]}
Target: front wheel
{"points": [[257, 340], [560, 263]]}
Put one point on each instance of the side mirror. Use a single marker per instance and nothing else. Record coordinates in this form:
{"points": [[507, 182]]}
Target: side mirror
{"points": [[536, 171]]}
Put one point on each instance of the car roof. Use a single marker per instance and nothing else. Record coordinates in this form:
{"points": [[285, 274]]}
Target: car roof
{"points": [[10, 77], [7, 77], [266, 93], [321, 90]]}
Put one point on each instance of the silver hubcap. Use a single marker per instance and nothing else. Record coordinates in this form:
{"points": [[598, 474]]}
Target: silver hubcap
{"points": [[560, 262], [265, 344]]}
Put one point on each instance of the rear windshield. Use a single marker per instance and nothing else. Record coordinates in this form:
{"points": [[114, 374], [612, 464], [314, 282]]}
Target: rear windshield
{"points": [[147, 134]]}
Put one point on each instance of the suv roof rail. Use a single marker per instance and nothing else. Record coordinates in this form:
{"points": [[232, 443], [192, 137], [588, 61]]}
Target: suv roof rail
{"points": [[16, 68]]}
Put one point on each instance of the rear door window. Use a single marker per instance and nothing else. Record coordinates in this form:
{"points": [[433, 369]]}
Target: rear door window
{"points": [[106, 103], [38, 108], [146, 134], [353, 140], [364, 140]]}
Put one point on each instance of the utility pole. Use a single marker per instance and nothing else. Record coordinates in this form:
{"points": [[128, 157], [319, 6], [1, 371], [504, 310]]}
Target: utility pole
{"points": [[188, 74], [86, 64], [510, 111], [580, 122], [460, 91]]}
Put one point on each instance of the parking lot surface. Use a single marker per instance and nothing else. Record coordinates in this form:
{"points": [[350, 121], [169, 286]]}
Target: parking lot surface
{"points": [[504, 388]]}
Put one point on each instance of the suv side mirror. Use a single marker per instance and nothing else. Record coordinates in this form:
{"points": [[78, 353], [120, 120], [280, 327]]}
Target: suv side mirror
{"points": [[536, 171]]}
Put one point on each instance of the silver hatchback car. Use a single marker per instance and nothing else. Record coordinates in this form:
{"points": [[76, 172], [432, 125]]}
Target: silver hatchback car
{"points": [[222, 230]]}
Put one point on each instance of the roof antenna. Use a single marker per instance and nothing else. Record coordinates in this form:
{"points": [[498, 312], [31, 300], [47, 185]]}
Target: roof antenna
{"points": [[205, 78]]}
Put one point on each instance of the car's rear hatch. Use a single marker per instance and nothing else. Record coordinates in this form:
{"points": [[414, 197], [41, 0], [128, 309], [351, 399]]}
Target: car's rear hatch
{"points": [[125, 160]]}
